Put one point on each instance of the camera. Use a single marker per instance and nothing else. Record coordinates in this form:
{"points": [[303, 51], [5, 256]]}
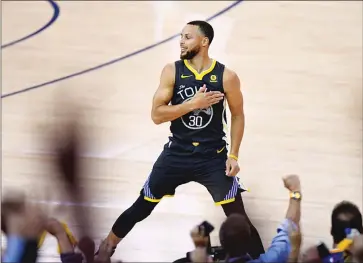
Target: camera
{"points": [[218, 253], [208, 228]]}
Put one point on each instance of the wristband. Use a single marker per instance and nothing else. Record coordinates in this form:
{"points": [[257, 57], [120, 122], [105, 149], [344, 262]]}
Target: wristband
{"points": [[233, 157]]}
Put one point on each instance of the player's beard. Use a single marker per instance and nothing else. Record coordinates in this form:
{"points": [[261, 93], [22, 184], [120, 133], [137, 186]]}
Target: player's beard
{"points": [[190, 54]]}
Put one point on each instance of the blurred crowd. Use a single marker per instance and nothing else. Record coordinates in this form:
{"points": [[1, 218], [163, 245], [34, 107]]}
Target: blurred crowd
{"points": [[25, 224]]}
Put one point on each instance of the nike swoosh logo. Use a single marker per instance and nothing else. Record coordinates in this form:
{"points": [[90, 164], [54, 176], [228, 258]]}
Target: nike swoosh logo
{"points": [[219, 151], [186, 76]]}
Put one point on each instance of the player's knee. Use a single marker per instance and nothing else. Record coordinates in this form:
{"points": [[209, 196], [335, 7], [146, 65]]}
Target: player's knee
{"points": [[141, 209], [138, 214]]}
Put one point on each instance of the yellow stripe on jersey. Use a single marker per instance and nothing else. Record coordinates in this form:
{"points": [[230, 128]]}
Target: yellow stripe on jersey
{"points": [[199, 76]]}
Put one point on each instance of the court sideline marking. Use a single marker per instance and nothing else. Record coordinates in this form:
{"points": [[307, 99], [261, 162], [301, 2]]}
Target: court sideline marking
{"points": [[54, 18], [234, 4]]}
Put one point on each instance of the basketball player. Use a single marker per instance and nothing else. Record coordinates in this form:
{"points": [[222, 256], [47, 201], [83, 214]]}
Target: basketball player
{"points": [[197, 88]]}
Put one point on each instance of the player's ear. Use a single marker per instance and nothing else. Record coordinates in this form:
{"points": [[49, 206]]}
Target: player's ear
{"points": [[205, 41]]}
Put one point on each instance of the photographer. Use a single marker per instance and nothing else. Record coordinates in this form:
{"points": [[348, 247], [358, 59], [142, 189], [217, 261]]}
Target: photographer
{"points": [[346, 225], [200, 237], [345, 215], [235, 234]]}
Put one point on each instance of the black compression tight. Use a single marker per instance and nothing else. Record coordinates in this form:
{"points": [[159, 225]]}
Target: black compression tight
{"points": [[141, 209]]}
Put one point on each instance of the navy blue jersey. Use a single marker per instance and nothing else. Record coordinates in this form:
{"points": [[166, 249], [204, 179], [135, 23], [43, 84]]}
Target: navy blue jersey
{"points": [[201, 125]]}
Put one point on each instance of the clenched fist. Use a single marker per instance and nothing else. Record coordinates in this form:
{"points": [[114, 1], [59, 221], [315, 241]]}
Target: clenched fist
{"points": [[198, 236], [292, 183], [232, 167]]}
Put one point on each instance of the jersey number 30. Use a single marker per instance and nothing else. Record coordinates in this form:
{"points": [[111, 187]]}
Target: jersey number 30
{"points": [[195, 121]]}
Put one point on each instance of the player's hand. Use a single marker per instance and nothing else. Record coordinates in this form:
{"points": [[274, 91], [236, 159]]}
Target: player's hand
{"points": [[232, 167], [204, 99], [292, 183]]}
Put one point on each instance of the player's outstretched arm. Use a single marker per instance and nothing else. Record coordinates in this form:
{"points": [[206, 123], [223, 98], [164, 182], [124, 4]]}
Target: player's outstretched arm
{"points": [[231, 84], [161, 110]]}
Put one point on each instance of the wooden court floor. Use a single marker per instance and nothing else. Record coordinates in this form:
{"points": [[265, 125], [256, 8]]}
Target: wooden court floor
{"points": [[301, 69]]}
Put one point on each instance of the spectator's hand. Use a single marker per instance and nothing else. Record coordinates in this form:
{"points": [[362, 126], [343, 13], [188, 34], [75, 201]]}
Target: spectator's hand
{"points": [[292, 183], [198, 237], [357, 248]]}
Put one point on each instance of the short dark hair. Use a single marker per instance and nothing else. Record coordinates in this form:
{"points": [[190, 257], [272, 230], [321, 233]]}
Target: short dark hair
{"points": [[205, 28], [235, 234], [339, 225]]}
